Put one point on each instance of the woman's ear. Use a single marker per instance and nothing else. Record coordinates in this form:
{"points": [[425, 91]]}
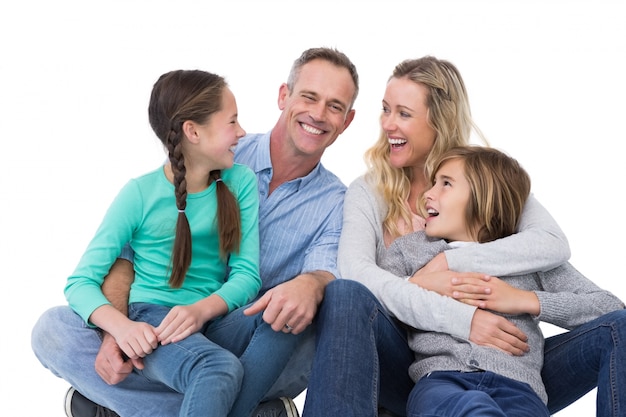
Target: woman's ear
{"points": [[190, 131]]}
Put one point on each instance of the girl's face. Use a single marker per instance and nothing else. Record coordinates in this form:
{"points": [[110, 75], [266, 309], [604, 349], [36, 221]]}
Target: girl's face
{"points": [[217, 139], [405, 121], [446, 203]]}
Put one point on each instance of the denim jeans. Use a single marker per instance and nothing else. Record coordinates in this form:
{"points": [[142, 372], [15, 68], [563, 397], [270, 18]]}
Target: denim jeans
{"points": [[485, 394], [592, 355], [208, 375], [363, 357], [68, 348]]}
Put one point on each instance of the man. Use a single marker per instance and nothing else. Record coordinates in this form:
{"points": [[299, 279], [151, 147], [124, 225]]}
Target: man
{"points": [[300, 219]]}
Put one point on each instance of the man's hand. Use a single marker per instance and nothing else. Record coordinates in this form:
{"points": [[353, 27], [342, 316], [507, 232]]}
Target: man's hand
{"points": [[111, 364], [292, 305], [489, 329]]}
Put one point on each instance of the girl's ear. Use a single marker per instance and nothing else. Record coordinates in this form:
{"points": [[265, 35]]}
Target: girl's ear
{"points": [[190, 131]]}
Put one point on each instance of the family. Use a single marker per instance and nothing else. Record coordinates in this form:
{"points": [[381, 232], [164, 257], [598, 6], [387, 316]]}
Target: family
{"points": [[242, 272]]}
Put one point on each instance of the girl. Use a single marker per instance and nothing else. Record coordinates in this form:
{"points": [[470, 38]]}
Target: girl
{"points": [[478, 195], [193, 227]]}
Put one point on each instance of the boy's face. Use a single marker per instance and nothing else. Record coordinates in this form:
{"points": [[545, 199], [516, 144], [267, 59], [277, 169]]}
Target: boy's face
{"points": [[446, 203]]}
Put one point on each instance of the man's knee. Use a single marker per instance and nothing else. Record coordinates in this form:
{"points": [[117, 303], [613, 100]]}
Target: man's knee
{"points": [[52, 330]]}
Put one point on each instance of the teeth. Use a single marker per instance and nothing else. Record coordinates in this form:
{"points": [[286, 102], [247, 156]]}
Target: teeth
{"points": [[311, 129], [432, 212], [232, 148], [397, 141]]}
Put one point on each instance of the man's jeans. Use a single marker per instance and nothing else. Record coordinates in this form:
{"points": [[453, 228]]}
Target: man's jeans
{"points": [[67, 347], [363, 357], [485, 394]]}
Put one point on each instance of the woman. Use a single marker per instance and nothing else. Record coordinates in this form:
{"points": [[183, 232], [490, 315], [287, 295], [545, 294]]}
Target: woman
{"points": [[362, 354]]}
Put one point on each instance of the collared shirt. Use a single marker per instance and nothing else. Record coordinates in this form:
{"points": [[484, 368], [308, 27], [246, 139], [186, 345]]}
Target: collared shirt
{"points": [[299, 222]]}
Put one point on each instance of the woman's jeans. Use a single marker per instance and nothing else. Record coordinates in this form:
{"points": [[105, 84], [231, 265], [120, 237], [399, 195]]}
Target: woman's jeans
{"points": [[465, 394], [362, 359], [67, 347]]}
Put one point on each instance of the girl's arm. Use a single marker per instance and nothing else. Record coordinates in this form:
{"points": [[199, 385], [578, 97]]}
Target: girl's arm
{"points": [[83, 289], [136, 339]]}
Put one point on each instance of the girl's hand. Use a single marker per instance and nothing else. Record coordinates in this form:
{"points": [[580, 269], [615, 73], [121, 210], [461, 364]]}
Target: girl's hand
{"points": [[179, 323], [136, 339]]}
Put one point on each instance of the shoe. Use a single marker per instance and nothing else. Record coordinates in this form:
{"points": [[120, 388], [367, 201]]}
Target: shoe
{"points": [[281, 407], [385, 413], [77, 405]]}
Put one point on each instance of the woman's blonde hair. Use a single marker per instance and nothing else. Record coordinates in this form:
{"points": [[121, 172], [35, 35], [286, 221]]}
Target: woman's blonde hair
{"points": [[448, 114], [499, 188]]}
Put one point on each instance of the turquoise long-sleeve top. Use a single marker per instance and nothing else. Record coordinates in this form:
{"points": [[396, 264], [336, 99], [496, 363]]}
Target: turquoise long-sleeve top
{"points": [[144, 213]]}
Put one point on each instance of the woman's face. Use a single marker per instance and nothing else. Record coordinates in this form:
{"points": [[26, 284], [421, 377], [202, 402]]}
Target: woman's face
{"points": [[446, 203], [405, 121]]}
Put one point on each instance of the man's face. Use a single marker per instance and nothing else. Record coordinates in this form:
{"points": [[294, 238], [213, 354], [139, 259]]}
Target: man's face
{"points": [[317, 111]]}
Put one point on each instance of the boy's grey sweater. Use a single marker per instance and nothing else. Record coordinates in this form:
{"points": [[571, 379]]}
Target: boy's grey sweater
{"points": [[566, 297]]}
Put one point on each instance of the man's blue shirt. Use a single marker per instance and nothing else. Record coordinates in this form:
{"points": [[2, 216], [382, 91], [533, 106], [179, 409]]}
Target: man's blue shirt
{"points": [[300, 222]]}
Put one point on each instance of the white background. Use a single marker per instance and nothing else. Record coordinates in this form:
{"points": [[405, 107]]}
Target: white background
{"points": [[545, 79]]}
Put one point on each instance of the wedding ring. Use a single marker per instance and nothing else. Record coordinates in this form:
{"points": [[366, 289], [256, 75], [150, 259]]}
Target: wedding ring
{"points": [[288, 328]]}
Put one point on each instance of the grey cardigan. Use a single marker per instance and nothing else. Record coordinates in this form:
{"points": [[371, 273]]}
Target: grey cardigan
{"points": [[572, 300], [540, 245]]}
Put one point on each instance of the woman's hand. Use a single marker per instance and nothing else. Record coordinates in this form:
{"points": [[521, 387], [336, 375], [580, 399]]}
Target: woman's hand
{"points": [[492, 293], [446, 283], [495, 331]]}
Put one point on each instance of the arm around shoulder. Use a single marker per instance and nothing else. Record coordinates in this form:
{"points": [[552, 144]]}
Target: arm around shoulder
{"points": [[539, 245]]}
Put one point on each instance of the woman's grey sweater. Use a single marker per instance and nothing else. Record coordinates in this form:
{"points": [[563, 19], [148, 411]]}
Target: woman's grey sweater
{"points": [[540, 245]]}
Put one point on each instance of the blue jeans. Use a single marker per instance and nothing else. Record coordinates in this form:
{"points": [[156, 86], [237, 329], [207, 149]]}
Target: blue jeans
{"points": [[592, 355], [362, 359], [67, 347], [465, 394], [208, 375], [362, 356]]}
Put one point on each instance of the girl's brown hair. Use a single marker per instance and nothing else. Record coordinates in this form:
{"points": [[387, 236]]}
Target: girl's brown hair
{"points": [[179, 96]]}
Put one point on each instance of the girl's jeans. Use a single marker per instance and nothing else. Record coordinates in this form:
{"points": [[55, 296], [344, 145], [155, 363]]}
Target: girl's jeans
{"points": [[208, 375], [67, 347]]}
